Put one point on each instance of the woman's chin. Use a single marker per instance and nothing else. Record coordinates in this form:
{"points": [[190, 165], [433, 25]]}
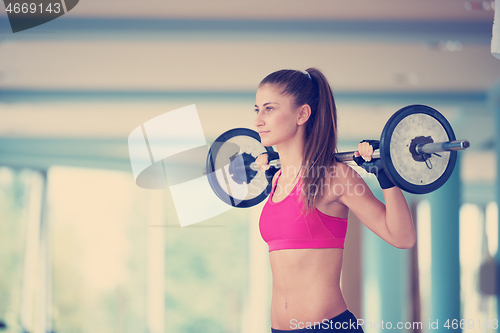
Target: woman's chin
{"points": [[265, 142]]}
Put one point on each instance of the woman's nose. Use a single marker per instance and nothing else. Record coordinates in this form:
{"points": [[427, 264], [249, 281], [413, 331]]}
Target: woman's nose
{"points": [[258, 120]]}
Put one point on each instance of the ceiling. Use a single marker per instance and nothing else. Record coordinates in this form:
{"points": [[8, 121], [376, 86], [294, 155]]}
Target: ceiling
{"points": [[199, 45]]}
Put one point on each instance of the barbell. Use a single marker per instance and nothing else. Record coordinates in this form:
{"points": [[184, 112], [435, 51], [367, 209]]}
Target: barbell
{"points": [[417, 151]]}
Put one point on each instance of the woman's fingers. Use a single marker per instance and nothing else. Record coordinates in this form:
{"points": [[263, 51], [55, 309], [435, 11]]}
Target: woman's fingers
{"points": [[365, 151], [262, 162]]}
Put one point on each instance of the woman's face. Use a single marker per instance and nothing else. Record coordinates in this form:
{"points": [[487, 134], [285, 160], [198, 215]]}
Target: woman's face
{"points": [[276, 115]]}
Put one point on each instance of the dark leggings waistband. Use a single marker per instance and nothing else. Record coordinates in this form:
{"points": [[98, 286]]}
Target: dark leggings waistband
{"points": [[344, 322]]}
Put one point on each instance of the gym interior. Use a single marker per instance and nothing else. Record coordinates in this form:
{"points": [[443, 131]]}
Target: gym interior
{"points": [[84, 249]]}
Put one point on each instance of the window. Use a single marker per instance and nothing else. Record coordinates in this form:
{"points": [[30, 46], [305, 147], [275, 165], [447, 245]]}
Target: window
{"points": [[122, 263]]}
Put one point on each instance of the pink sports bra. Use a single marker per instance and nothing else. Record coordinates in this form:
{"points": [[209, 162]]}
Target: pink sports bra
{"points": [[286, 225]]}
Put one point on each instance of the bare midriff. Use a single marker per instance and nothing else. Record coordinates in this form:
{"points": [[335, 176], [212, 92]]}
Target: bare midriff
{"points": [[306, 287]]}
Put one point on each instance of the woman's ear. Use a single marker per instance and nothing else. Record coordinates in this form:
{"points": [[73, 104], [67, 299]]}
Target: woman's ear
{"points": [[304, 114]]}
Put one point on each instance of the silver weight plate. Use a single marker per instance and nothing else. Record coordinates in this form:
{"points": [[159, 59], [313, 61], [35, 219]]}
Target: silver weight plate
{"points": [[228, 168], [408, 170], [418, 172]]}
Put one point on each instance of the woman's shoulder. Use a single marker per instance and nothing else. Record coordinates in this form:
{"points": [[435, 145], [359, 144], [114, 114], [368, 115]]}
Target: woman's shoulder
{"points": [[337, 181], [341, 172], [336, 172], [341, 181]]}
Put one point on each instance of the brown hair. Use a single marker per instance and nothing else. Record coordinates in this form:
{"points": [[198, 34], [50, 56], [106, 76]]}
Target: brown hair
{"points": [[321, 128]]}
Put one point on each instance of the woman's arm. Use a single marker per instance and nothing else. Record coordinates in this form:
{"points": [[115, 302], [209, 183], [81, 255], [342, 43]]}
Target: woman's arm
{"points": [[392, 222]]}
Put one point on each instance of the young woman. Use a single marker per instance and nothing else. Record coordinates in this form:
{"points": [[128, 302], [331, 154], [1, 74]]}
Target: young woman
{"points": [[304, 220]]}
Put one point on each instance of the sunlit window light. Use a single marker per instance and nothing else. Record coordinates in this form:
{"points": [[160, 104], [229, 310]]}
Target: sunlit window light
{"points": [[156, 264], [424, 254], [492, 227], [472, 254], [470, 236], [98, 229], [373, 304]]}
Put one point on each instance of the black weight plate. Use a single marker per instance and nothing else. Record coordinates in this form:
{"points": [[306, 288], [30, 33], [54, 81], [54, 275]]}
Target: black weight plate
{"points": [[226, 150], [409, 174]]}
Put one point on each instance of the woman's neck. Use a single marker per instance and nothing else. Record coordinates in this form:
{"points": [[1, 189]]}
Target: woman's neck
{"points": [[291, 156]]}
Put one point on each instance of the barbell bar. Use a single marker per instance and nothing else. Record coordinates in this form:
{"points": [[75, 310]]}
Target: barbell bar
{"points": [[428, 148], [417, 150]]}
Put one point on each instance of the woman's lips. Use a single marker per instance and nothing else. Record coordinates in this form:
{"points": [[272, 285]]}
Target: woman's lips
{"points": [[263, 132]]}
